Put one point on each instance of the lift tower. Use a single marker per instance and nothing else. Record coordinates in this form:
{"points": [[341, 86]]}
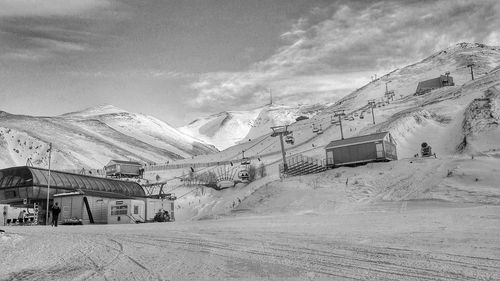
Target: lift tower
{"points": [[340, 114], [281, 131], [371, 103], [471, 71]]}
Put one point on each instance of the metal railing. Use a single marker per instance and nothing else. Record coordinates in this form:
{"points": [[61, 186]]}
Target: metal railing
{"points": [[301, 164]]}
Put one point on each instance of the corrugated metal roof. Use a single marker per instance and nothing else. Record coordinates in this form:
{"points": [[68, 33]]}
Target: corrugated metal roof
{"points": [[124, 162], [94, 193], [31, 176], [433, 83], [358, 139]]}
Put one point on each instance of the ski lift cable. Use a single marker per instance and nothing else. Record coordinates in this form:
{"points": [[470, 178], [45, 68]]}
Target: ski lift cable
{"points": [[227, 159], [209, 169], [194, 189], [252, 146]]}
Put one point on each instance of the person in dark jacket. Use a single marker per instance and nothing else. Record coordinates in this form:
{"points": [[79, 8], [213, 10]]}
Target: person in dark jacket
{"points": [[55, 214]]}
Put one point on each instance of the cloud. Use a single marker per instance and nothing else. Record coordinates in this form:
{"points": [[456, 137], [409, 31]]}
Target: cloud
{"points": [[138, 73], [23, 8], [337, 48], [37, 30], [39, 39]]}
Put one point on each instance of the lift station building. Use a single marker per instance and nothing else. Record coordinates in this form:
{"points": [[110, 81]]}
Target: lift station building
{"points": [[82, 197], [360, 150]]}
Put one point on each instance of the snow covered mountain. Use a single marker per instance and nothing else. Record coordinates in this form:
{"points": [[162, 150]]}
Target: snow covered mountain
{"points": [[226, 129], [90, 138], [229, 128], [454, 120], [453, 117], [405, 80]]}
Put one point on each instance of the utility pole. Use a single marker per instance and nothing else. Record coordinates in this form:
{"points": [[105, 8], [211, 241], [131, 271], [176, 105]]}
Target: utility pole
{"points": [[281, 131], [48, 188], [340, 114], [471, 71], [371, 103]]}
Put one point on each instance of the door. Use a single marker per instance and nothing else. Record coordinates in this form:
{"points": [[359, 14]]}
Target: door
{"points": [[329, 157], [101, 211]]}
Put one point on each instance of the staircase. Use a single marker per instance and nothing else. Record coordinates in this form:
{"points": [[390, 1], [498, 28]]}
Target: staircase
{"points": [[302, 165]]}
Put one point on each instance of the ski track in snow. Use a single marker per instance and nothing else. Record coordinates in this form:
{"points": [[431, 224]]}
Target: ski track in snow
{"points": [[350, 246]]}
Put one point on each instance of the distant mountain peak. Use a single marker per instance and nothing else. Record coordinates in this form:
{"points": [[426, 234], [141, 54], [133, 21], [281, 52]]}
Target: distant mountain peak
{"points": [[102, 109]]}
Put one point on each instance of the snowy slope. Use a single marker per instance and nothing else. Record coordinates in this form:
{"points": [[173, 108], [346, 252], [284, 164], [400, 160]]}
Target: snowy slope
{"points": [[223, 129], [91, 138], [439, 117], [146, 128], [405, 80], [230, 128], [226, 129]]}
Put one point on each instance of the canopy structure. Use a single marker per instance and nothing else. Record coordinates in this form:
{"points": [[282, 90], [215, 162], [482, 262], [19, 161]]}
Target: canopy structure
{"points": [[25, 182]]}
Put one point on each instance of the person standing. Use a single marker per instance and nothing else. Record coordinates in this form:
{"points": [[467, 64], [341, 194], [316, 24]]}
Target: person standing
{"points": [[55, 213], [21, 217]]}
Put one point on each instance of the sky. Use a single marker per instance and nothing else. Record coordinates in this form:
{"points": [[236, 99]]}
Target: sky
{"points": [[180, 60]]}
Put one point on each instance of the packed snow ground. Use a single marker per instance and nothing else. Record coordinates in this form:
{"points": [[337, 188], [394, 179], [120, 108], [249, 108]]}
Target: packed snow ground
{"points": [[412, 219]]}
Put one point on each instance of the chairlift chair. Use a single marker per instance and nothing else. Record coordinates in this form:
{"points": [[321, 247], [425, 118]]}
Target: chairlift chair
{"points": [[320, 130], [315, 130], [245, 161], [290, 139], [243, 175]]}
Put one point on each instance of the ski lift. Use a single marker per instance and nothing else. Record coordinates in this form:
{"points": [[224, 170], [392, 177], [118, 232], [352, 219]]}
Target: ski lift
{"points": [[315, 130], [243, 175], [332, 121], [290, 139], [361, 116], [320, 130], [245, 161]]}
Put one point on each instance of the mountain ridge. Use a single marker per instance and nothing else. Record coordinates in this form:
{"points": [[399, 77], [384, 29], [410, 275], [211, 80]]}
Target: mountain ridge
{"points": [[91, 137]]}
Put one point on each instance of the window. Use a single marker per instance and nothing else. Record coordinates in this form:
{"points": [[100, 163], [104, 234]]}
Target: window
{"points": [[136, 210], [119, 210], [380, 150]]}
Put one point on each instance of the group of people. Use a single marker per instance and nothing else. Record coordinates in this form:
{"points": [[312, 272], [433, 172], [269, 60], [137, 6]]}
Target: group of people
{"points": [[39, 215], [162, 216]]}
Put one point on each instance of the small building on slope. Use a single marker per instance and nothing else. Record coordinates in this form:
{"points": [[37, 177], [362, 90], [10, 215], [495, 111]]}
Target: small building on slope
{"points": [[431, 84], [361, 149], [120, 168]]}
